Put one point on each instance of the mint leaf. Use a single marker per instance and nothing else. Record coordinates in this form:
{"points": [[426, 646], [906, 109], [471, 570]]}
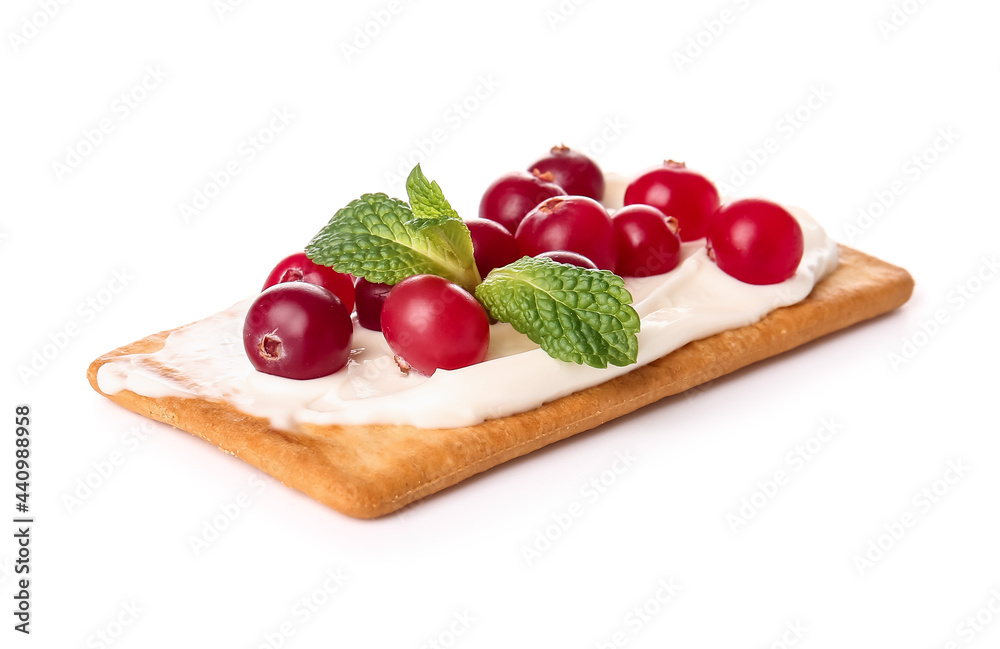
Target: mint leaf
{"points": [[426, 198], [575, 314], [435, 218], [381, 239]]}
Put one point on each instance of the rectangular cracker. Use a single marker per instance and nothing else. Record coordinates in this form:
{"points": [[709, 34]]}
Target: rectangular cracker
{"points": [[369, 471]]}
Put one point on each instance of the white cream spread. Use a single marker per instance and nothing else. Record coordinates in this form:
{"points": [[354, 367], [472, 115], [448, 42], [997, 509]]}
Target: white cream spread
{"points": [[693, 301]]}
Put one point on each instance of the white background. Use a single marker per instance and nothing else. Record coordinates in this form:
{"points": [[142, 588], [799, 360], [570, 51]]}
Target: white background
{"points": [[542, 78]]}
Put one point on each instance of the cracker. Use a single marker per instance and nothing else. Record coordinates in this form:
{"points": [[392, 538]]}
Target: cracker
{"points": [[369, 471]]}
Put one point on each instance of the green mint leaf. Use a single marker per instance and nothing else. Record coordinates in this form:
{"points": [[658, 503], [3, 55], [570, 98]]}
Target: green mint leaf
{"points": [[380, 239], [368, 238], [426, 198], [435, 218], [575, 314]]}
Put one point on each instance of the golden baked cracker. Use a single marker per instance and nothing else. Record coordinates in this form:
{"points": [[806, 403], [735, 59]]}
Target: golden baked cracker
{"points": [[369, 471]]}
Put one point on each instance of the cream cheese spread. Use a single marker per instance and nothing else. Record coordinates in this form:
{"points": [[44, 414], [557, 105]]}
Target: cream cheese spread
{"points": [[695, 300]]}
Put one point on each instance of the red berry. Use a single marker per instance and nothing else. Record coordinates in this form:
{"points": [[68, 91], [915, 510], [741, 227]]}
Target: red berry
{"points": [[299, 268], [647, 241], [371, 297], [513, 195], [434, 324], [492, 244], [756, 241], [573, 171], [297, 330], [567, 257], [675, 190], [575, 223]]}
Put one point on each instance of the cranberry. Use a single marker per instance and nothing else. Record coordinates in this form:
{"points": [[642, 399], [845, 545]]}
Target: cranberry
{"points": [[513, 195], [299, 268], [675, 190], [756, 241], [573, 171], [371, 297], [492, 244], [647, 241], [297, 330], [575, 223], [567, 257], [434, 324]]}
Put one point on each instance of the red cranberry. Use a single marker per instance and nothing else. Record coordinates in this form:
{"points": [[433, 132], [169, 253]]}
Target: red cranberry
{"points": [[434, 324], [647, 241], [573, 171], [492, 245], [575, 223], [756, 241], [370, 298], [513, 195], [297, 330], [299, 268], [567, 257], [675, 190]]}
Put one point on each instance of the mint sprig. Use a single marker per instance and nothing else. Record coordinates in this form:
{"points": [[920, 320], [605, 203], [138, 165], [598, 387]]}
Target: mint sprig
{"points": [[385, 240], [575, 314]]}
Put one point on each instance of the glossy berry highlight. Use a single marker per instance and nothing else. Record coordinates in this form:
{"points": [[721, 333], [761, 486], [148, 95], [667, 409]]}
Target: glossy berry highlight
{"points": [[575, 223], [567, 257], [297, 330], [298, 267], [432, 324], [492, 245], [648, 243], [577, 174], [370, 299], [513, 195], [756, 241], [677, 191]]}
